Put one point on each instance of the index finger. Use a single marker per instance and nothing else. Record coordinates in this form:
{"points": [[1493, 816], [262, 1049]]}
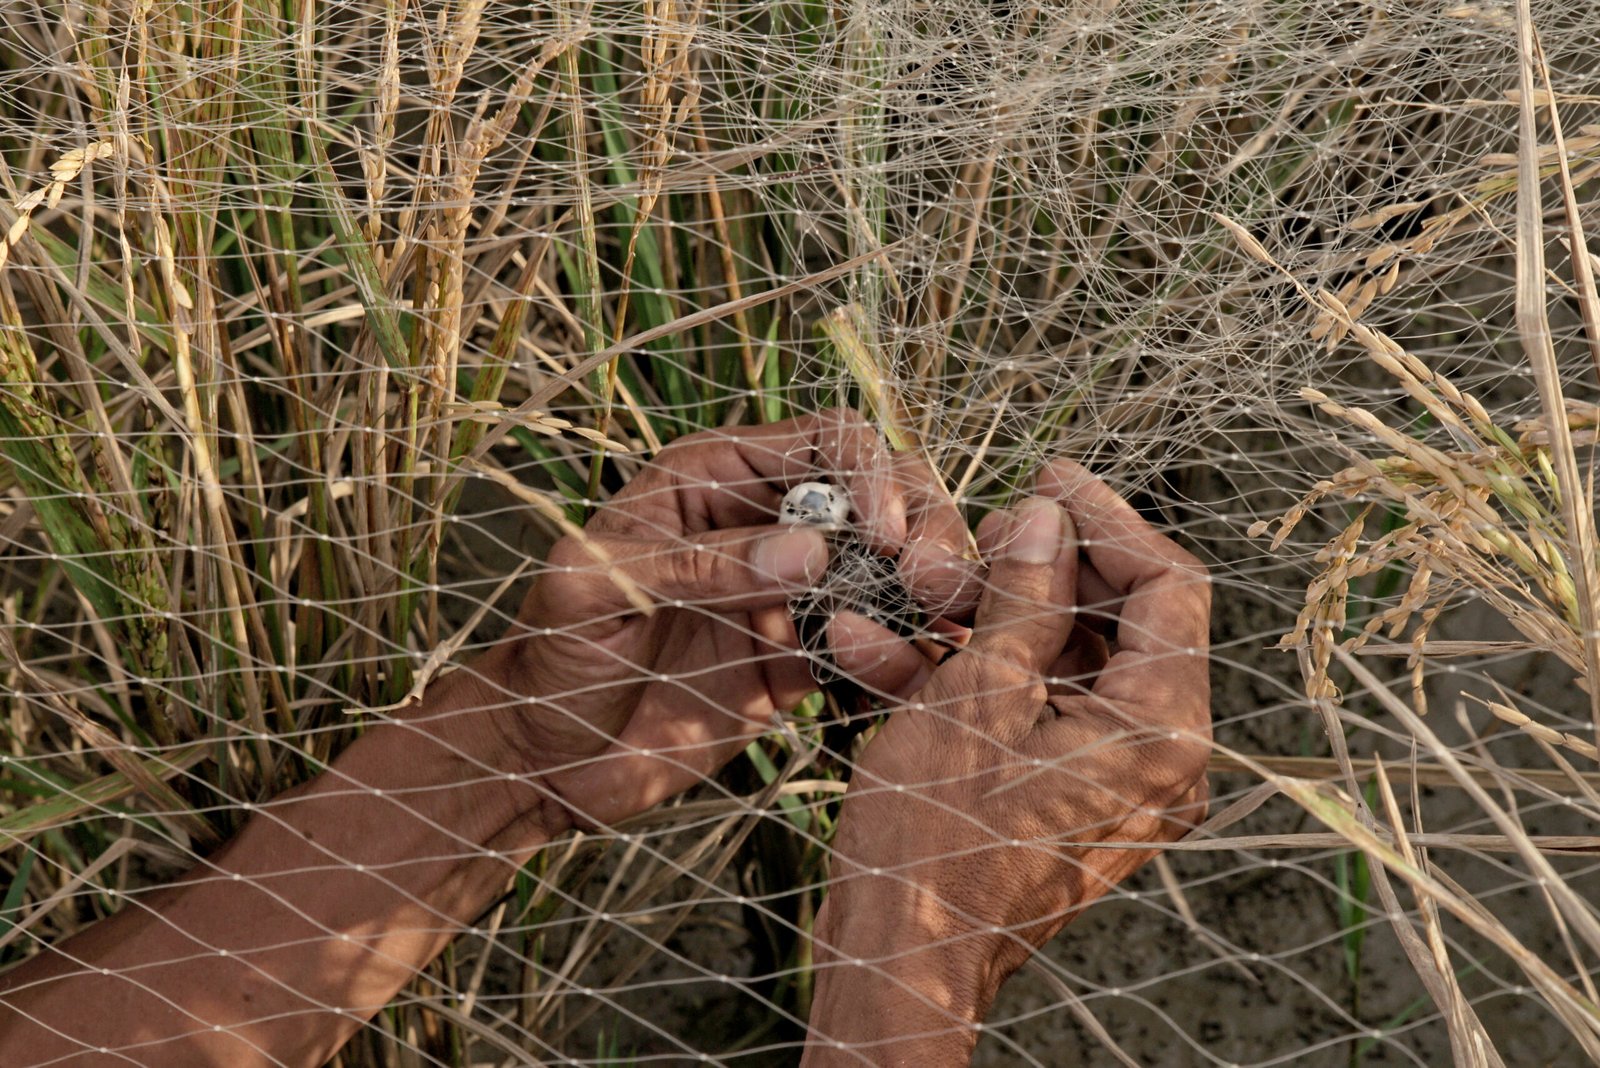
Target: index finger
{"points": [[738, 470], [1163, 632], [935, 563]]}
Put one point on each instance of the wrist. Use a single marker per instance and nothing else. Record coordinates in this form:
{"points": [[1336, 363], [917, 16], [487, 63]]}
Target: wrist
{"points": [[897, 982], [448, 757]]}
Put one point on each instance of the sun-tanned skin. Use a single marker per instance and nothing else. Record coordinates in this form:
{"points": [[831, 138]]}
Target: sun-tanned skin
{"points": [[962, 842], [277, 948]]}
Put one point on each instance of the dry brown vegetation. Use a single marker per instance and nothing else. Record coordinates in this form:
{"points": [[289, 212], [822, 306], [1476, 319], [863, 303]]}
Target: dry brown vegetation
{"points": [[305, 312]]}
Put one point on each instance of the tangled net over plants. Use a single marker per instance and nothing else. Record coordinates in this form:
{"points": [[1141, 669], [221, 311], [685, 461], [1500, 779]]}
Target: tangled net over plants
{"points": [[319, 322]]}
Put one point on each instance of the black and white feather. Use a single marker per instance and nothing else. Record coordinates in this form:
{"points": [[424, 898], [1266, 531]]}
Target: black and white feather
{"points": [[858, 579], [819, 504]]}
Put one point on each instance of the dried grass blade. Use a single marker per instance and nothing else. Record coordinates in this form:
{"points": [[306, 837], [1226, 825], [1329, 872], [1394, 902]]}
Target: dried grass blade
{"points": [[1559, 845], [1180, 903], [383, 316], [1426, 774], [850, 334], [1581, 1017], [1576, 911], [1080, 1011], [1534, 326], [113, 853], [173, 811], [93, 796], [542, 396], [1468, 1039], [1582, 261], [449, 647], [554, 513]]}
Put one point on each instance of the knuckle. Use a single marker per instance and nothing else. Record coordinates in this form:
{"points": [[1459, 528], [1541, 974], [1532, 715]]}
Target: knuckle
{"points": [[1188, 579], [683, 568], [1190, 571], [1174, 765], [691, 451], [1017, 607], [1187, 564], [591, 573], [963, 683], [569, 553], [1062, 470], [910, 476], [1004, 665], [846, 434], [571, 572]]}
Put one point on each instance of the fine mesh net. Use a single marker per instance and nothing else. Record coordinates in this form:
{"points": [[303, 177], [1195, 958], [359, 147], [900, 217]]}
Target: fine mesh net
{"points": [[323, 323]]}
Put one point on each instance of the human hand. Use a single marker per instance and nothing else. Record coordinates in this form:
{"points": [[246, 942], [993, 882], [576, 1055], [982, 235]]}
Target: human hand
{"points": [[961, 844], [339, 892], [626, 707]]}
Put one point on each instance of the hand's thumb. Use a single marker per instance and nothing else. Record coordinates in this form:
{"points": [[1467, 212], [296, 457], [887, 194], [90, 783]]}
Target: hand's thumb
{"points": [[1026, 613]]}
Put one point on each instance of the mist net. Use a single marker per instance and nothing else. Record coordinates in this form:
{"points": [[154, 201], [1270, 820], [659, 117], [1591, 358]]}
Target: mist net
{"points": [[323, 322]]}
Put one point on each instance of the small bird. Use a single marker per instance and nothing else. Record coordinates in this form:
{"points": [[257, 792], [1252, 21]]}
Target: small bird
{"points": [[857, 580]]}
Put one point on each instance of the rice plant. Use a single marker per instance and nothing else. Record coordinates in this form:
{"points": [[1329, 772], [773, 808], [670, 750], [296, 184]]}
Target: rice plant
{"points": [[319, 323]]}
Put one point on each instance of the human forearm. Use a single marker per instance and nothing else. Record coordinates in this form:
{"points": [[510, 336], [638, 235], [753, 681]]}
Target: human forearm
{"points": [[331, 898], [897, 983]]}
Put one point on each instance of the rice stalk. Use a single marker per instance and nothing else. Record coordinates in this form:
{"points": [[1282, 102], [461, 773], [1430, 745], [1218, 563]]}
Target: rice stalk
{"points": [[1534, 327]]}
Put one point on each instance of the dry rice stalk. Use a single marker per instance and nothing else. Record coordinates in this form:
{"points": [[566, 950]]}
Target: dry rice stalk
{"points": [[1470, 1042], [1533, 324], [666, 55], [1337, 812], [375, 161], [1526, 724], [1488, 520], [63, 171]]}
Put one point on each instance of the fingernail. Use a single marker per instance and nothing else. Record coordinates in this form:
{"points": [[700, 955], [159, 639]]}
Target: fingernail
{"points": [[1035, 532], [896, 514], [793, 558], [892, 524]]}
